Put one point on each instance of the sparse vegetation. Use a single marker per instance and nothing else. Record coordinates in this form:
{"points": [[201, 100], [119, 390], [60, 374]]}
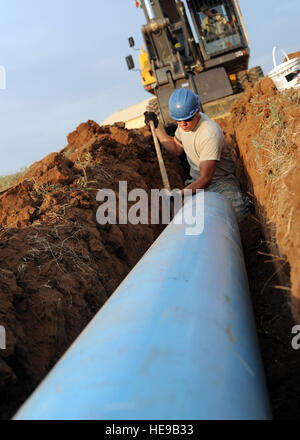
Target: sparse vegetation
{"points": [[9, 180], [89, 162], [277, 119], [275, 158], [68, 152], [82, 165], [291, 96], [41, 190], [61, 252]]}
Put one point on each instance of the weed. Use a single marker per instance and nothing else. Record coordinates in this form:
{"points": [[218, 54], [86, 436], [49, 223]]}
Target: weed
{"points": [[64, 252], [277, 119], [83, 181], [68, 152], [60, 215], [96, 166], [44, 188]]}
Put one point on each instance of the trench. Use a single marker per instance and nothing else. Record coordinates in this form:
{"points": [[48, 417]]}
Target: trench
{"points": [[269, 283], [274, 320]]}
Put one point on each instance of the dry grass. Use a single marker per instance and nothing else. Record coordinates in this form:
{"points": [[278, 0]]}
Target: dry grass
{"points": [[274, 156], [68, 152], [41, 190], [89, 163], [66, 252], [8, 181], [83, 181]]}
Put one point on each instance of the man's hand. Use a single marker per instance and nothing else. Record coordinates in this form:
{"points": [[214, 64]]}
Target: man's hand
{"points": [[151, 116], [207, 171]]}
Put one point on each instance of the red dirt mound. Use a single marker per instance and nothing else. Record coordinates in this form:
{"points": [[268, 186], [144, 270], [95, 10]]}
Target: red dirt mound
{"points": [[267, 131], [263, 132], [57, 264]]}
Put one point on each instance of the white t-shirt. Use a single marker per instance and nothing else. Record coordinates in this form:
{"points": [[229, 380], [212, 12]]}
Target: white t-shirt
{"points": [[206, 142]]}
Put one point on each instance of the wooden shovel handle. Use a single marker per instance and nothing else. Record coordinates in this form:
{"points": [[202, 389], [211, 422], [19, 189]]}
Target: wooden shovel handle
{"points": [[161, 163]]}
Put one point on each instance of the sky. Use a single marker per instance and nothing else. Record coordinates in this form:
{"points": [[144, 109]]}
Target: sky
{"points": [[65, 64]]}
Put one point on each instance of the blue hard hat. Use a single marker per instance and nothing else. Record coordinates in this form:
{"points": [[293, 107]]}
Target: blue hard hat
{"points": [[183, 104]]}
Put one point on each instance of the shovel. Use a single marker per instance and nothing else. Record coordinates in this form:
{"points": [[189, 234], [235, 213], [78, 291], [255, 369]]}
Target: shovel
{"points": [[161, 163]]}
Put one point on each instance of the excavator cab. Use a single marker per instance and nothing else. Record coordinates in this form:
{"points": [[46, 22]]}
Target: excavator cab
{"points": [[218, 30], [219, 26]]}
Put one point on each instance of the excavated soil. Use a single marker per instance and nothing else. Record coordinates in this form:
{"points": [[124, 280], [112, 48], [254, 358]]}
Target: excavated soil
{"points": [[264, 134], [267, 132]]}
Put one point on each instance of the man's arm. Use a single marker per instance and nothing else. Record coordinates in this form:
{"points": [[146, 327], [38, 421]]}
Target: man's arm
{"points": [[207, 170], [169, 143]]}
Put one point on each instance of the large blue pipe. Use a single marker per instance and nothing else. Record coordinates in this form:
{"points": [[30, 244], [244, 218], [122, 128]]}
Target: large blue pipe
{"points": [[176, 341]]}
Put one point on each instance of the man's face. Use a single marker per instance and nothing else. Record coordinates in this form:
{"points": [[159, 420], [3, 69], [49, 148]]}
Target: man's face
{"points": [[208, 13], [190, 124]]}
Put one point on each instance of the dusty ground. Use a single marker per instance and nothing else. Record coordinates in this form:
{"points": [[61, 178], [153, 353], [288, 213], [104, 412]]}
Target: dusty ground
{"points": [[58, 266]]}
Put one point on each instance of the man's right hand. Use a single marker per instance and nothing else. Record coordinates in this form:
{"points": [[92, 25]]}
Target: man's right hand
{"points": [[151, 116]]}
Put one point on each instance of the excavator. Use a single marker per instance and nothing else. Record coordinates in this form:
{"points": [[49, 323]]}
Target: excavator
{"points": [[202, 45]]}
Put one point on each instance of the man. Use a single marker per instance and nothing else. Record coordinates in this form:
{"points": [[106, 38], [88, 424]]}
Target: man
{"points": [[211, 165], [214, 24]]}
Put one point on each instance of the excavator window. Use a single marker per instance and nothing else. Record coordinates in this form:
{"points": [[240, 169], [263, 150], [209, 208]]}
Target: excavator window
{"points": [[218, 26]]}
